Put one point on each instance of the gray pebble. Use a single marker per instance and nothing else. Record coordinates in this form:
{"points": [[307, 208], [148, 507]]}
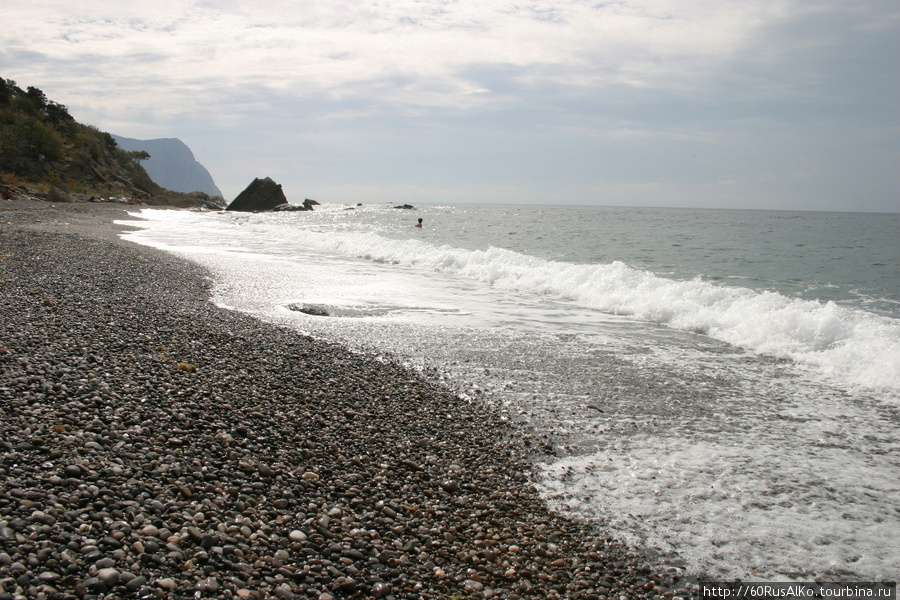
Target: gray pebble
{"points": [[109, 576], [281, 466]]}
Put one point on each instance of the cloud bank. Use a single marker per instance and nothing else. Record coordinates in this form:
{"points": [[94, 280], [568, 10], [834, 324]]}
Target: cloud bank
{"points": [[769, 104]]}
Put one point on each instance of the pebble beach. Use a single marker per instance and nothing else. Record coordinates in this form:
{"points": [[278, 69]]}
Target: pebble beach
{"points": [[154, 445]]}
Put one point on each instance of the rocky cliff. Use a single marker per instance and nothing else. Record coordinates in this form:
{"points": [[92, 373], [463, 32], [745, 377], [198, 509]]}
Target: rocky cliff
{"points": [[46, 153], [172, 165]]}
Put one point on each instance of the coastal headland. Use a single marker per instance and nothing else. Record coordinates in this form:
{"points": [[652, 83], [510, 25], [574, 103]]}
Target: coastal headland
{"points": [[153, 445]]}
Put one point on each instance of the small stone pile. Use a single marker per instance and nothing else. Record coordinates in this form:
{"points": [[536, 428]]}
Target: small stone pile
{"points": [[155, 446]]}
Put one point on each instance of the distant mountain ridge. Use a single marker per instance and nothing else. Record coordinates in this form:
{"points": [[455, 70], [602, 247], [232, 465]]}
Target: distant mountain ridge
{"points": [[172, 165], [45, 154]]}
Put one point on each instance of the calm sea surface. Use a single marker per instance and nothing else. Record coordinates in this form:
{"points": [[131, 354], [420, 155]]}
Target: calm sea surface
{"points": [[721, 385]]}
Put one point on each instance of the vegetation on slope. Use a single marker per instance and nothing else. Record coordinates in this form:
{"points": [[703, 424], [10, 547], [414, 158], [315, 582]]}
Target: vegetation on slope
{"points": [[46, 152]]}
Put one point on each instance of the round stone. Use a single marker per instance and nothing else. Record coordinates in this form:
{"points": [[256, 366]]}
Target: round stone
{"points": [[136, 584], [297, 536], [109, 576], [166, 583], [208, 585]]}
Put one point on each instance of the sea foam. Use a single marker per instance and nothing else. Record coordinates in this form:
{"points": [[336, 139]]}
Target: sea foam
{"points": [[848, 345], [851, 345], [742, 464]]}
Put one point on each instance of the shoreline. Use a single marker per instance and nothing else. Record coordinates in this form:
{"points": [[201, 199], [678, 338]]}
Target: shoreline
{"points": [[159, 446]]}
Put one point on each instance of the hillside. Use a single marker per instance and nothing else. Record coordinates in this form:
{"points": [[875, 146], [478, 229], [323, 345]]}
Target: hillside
{"points": [[46, 153], [172, 164]]}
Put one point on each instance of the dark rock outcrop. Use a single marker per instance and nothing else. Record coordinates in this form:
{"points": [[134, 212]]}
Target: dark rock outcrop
{"points": [[198, 199], [287, 207], [307, 205], [260, 195]]}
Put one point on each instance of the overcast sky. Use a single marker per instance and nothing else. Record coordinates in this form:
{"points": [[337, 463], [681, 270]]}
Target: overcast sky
{"points": [[791, 104]]}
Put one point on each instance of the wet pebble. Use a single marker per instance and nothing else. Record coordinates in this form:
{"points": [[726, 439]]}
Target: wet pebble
{"points": [[282, 466]]}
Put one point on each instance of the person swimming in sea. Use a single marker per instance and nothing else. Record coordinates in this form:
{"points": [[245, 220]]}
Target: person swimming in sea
{"points": [[419, 224]]}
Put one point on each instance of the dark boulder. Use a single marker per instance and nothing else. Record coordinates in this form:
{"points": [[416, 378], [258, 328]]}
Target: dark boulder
{"points": [[57, 195], [260, 195], [290, 207], [307, 205], [316, 310]]}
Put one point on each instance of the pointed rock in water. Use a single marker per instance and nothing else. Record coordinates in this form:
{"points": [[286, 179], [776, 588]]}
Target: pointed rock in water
{"points": [[260, 195]]}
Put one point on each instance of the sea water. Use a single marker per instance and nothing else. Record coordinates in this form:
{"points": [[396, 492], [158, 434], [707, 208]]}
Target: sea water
{"points": [[720, 385]]}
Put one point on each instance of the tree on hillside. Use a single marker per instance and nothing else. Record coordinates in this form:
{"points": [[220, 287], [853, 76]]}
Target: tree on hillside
{"points": [[139, 155], [6, 89], [42, 144], [58, 115], [37, 97]]}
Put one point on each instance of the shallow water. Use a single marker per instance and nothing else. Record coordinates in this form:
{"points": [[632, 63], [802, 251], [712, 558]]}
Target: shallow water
{"points": [[688, 378]]}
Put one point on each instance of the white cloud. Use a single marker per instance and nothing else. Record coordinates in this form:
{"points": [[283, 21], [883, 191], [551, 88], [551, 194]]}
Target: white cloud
{"points": [[566, 84], [409, 53]]}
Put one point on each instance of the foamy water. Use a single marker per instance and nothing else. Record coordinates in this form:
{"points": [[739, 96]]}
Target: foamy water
{"points": [[751, 428], [850, 344]]}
